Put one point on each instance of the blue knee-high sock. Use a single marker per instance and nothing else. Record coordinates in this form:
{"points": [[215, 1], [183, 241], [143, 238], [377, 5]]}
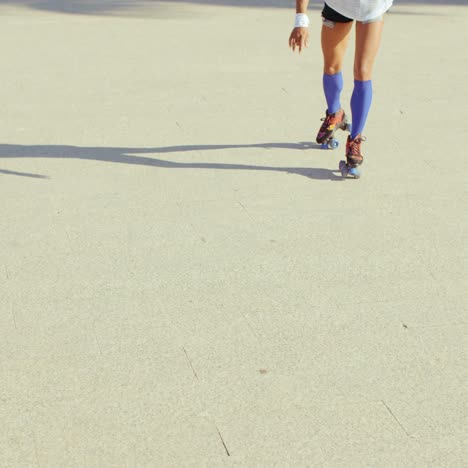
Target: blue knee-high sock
{"points": [[332, 86], [361, 100]]}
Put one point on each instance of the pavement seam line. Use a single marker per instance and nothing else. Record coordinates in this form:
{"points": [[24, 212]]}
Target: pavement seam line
{"points": [[395, 418], [190, 363], [222, 440]]}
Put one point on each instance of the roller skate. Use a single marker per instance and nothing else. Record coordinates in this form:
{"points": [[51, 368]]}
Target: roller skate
{"points": [[354, 158], [331, 123]]}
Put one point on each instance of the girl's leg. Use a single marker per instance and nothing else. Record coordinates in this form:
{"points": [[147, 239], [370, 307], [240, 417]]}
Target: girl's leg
{"points": [[335, 38], [368, 37]]}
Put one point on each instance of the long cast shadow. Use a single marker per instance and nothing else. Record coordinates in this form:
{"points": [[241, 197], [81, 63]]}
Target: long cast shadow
{"points": [[110, 7], [132, 156], [23, 174], [103, 7]]}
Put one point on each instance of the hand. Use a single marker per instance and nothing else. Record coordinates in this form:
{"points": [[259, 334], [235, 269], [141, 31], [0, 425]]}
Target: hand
{"points": [[299, 38]]}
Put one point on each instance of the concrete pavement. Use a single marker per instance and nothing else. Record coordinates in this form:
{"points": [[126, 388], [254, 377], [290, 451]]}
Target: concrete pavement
{"points": [[185, 278]]}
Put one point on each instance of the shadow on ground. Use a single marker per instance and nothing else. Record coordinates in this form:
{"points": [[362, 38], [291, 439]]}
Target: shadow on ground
{"points": [[108, 7], [132, 156]]}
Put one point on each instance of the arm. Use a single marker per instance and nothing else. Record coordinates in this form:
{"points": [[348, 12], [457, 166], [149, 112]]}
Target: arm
{"points": [[301, 6], [300, 35]]}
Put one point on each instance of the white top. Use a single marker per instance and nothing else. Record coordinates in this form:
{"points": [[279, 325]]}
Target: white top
{"points": [[360, 10]]}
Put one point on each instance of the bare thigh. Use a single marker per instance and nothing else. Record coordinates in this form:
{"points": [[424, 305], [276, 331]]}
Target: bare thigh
{"points": [[334, 43], [368, 36]]}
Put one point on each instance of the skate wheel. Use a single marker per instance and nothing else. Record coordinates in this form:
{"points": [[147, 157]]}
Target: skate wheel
{"points": [[333, 144], [343, 168], [355, 172], [324, 146]]}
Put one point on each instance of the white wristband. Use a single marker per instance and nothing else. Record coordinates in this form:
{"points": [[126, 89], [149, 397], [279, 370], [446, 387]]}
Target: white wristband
{"points": [[302, 21]]}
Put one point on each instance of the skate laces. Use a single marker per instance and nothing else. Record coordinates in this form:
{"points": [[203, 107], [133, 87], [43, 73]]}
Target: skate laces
{"points": [[330, 120], [354, 147]]}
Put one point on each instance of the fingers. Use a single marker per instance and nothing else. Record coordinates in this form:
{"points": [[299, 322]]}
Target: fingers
{"points": [[292, 42], [298, 41], [300, 44]]}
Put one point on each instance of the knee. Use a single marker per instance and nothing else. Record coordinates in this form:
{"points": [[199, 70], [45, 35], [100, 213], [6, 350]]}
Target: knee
{"points": [[331, 69], [362, 72]]}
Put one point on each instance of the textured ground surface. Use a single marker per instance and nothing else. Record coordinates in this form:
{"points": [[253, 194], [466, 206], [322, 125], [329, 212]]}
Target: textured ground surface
{"points": [[185, 280]]}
